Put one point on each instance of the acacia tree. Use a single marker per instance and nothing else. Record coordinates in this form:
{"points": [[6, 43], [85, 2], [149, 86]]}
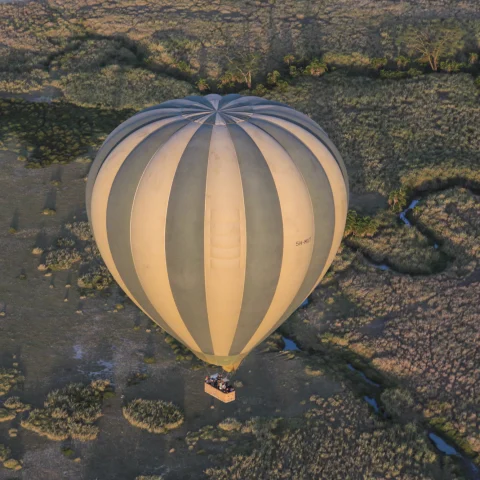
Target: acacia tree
{"points": [[242, 67], [434, 42], [238, 56]]}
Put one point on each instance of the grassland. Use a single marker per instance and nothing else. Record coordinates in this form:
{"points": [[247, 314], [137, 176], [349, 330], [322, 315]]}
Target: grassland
{"points": [[408, 127], [413, 133], [420, 332], [313, 446]]}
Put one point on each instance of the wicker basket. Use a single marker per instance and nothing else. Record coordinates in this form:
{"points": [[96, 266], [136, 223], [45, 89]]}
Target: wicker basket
{"points": [[223, 397]]}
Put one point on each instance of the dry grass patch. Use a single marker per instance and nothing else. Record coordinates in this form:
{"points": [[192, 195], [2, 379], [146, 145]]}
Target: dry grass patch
{"points": [[70, 412], [155, 416]]}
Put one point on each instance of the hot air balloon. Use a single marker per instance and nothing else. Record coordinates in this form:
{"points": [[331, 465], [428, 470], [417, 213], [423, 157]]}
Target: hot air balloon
{"points": [[218, 216]]}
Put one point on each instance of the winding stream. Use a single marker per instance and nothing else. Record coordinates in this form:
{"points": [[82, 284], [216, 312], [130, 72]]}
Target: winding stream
{"points": [[403, 215], [432, 239], [448, 450], [440, 444], [365, 378]]}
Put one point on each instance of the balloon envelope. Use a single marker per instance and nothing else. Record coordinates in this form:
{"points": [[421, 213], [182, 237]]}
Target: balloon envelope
{"points": [[218, 216]]}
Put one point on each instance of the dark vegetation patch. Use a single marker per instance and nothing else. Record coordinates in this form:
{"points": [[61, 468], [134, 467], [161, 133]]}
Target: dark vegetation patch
{"points": [[155, 416], [9, 378], [70, 412], [311, 447], [183, 354], [383, 240], [430, 242], [59, 132], [386, 319], [76, 248], [122, 87], [395, 135]]}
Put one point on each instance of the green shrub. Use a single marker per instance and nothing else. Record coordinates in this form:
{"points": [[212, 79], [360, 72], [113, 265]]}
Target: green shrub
{"points": [[273, 77], [68, 452], [397, 401], [294, 71], [9, 378], [25, 82], [62, 259], [260, 90], [155, 416], [96, 277], [378, 63], [397, 199], [4, 452], [6, 415], [414, 72], [361, 226], [14, 403], [70, 412], [354, 59], [392, 74], [203, 85], [316, 68], [451, 66], [402, 61]]}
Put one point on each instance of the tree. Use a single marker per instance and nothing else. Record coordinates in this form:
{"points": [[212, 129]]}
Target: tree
{"points": [[239, 56], [203, 85], [434, 42], [316, 68], [273, 77], [242, 67]]}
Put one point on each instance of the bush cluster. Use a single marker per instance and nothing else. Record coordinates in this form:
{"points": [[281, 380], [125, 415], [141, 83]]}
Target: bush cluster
{"points": [[9, 378], [155, 416], [70, 412], [77, 248], [360, 226], [62, 258], [16, 405]]}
